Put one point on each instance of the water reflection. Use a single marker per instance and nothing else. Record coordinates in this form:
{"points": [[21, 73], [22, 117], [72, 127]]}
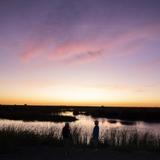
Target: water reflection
{"points": [[66, 113], [85, 123]]}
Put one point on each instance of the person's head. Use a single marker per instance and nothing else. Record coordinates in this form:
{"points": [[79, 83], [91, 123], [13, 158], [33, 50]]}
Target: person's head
{"points": [[67, 124], [96, 123]]}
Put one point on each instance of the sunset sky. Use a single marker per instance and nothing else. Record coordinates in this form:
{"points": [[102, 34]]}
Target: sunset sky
{"points": [[80, 52]]}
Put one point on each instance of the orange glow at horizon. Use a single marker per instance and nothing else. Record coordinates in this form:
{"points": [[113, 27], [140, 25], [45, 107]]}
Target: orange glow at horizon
{"points": [[63, 95]]}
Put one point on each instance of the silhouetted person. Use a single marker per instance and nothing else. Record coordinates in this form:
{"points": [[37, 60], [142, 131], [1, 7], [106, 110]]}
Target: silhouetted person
{"points": [[66, 134], [95, 134]]}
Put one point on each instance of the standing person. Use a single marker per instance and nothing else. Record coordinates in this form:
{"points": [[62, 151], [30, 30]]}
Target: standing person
{"points": [[95, 134], [66, 134]]}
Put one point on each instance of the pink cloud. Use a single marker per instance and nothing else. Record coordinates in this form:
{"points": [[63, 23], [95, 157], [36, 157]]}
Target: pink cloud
{"points": [[133, 39], [80, 50], [123, 43], [33, 49], [30, 53]]}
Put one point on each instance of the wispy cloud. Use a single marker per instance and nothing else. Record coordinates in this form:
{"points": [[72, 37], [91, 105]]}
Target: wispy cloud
{"points": [[72, 50], [87, 57], [30, 53]]}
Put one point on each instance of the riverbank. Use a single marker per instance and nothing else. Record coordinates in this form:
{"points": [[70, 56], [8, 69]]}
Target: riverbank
{"points": [[58, 153]]}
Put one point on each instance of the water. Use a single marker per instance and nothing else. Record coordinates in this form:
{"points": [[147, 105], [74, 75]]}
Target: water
{"points": [[85, 123]]}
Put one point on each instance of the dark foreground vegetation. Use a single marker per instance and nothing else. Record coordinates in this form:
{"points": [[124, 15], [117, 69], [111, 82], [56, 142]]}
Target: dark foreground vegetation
{"points": [[58, 153], [51, 113], [12, 138]]}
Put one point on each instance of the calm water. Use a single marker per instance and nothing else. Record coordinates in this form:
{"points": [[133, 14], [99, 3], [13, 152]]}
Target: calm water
{"points": [[86, 123]]}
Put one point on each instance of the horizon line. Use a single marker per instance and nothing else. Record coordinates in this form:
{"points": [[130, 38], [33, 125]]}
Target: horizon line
{"points": [[98, 106]]}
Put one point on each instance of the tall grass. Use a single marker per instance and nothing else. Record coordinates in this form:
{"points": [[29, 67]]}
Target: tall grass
{"points": [[131, 139], [11, 138]]}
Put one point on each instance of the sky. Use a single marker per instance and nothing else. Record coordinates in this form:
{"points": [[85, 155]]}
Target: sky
{"points": [[80, 52]]}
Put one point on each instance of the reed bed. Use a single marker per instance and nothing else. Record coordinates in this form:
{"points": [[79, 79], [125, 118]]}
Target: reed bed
{"points": [[123, 139], [131, 140]]}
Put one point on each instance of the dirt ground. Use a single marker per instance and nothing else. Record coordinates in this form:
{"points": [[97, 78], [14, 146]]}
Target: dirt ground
{"points": [[49, 153]]}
